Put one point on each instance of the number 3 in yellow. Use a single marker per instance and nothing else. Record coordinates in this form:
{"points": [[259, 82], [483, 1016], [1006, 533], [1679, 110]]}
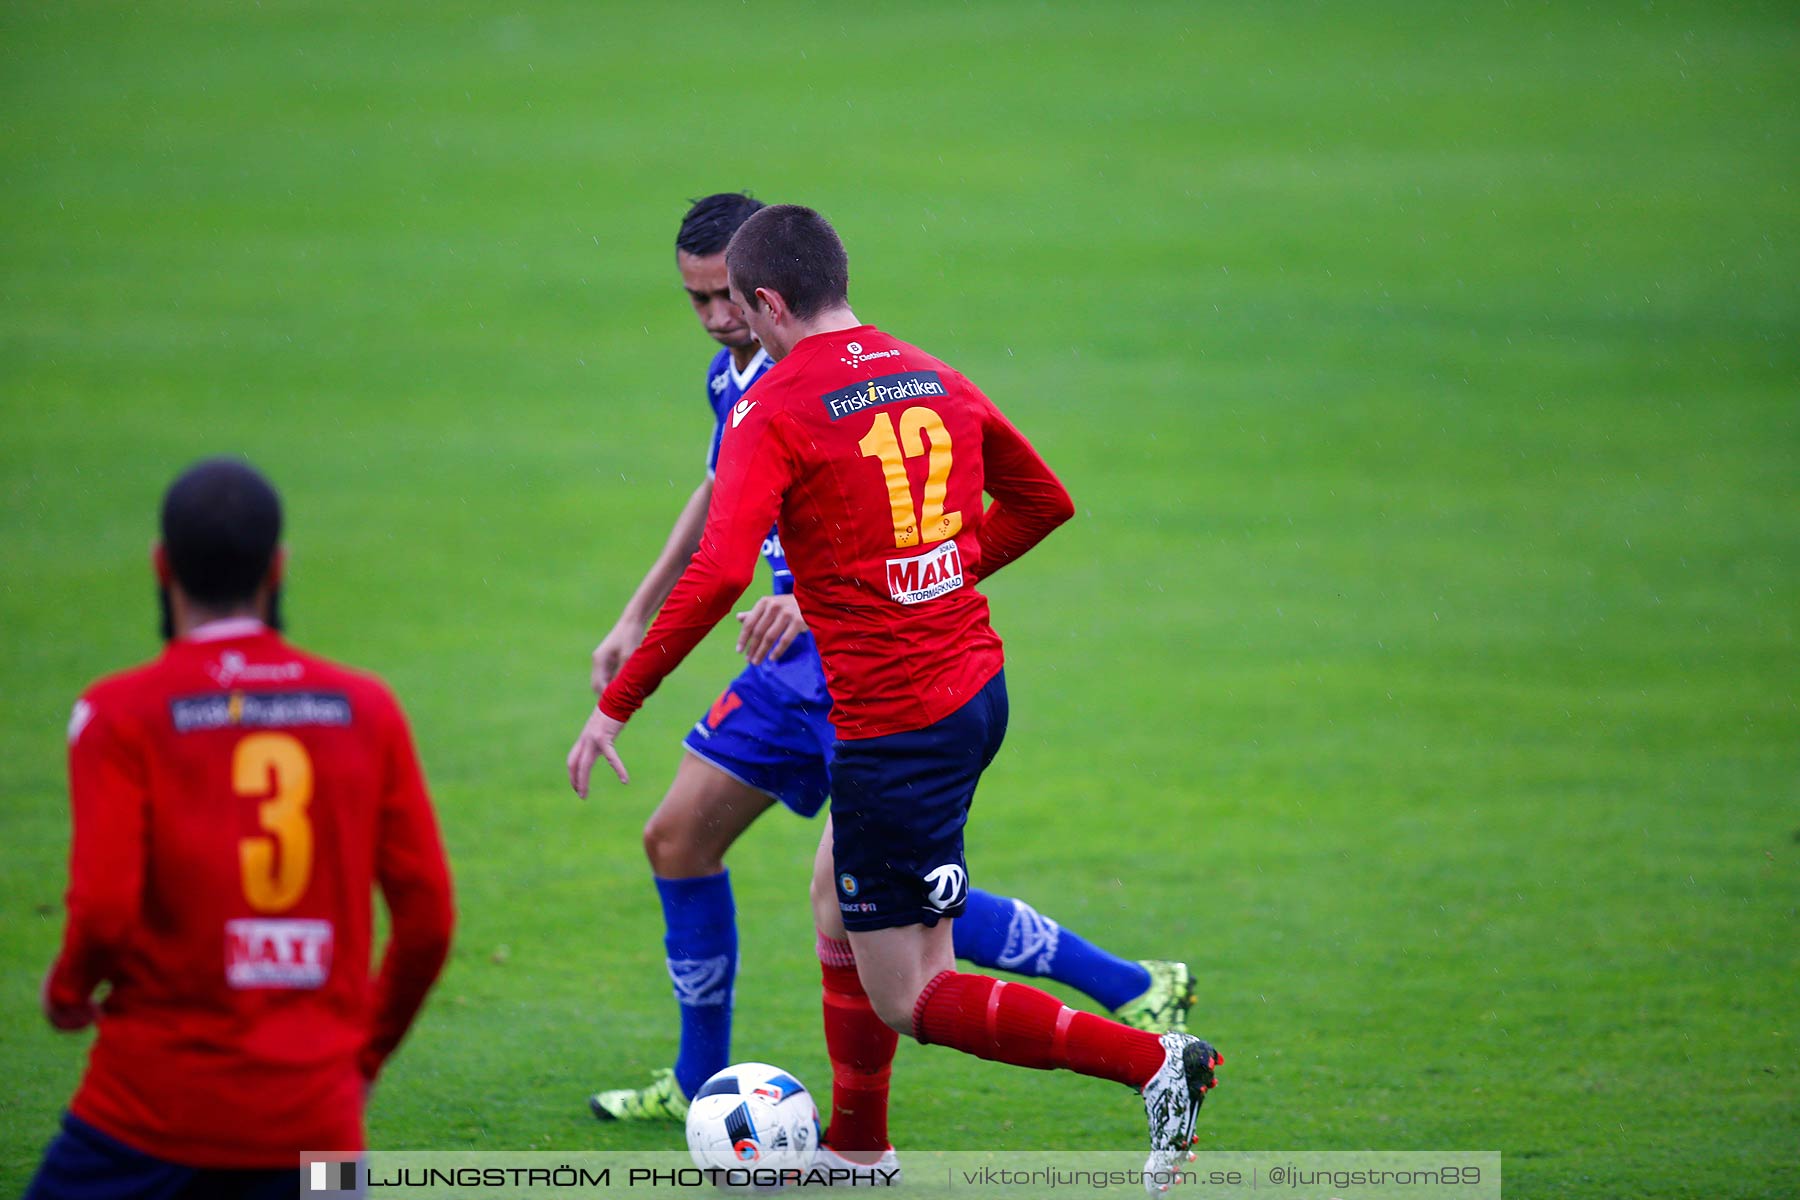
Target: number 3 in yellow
{"points": [[880, 442], [276, 869]]}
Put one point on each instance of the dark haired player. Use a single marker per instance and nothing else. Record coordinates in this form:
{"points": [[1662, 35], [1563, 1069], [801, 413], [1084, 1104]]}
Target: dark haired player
{"points": [[768, 738], [873, 457], [235, 802]]}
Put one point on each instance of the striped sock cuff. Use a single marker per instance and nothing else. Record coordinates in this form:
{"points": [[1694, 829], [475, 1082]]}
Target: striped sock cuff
{"points": [[834, 953], [919, 1005]]}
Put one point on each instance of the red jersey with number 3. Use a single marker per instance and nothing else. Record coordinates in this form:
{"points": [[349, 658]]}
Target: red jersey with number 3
{"points": [[235, 801], [872, 457]]}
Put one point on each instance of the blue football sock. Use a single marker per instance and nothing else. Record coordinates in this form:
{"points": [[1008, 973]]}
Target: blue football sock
{"points": [[998, 931], [702, 947]]}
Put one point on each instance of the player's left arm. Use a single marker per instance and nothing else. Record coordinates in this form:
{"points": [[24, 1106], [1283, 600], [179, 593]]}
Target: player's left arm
{"points": [[414, 875], [109, 798], [754, 471], [1029, 500]]}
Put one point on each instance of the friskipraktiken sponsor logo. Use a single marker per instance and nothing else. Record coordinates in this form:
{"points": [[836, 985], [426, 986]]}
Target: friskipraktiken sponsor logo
{"points": [[883, 389]]}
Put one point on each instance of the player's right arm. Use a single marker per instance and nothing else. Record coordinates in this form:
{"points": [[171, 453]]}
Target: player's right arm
{"points": [[109, 797], [628, 631], [414, 875], [1029, 500]]}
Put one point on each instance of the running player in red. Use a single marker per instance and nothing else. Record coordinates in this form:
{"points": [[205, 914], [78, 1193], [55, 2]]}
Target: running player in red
{"points": [[768, 739], [236, 801], [872, 458]]}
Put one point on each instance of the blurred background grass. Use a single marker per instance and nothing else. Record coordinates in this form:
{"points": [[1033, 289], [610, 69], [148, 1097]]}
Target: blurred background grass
{"points": [[1420, 664]]}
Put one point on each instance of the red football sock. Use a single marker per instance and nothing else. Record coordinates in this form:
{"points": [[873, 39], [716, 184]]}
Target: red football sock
{"points": [[862, 1055], [1017, 1024]]}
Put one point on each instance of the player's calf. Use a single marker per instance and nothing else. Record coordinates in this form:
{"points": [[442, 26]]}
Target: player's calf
{"points": [[861, 1047]]}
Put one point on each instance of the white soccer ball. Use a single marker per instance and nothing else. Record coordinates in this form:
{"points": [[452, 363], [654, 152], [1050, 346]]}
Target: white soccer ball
{"points": [[753, 1117]]}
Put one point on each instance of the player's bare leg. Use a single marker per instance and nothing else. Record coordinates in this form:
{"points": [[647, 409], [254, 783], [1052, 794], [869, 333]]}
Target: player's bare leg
{"points": [[827, 920], [1165, 989], [1005, 933], [896, 965], [908, 974], [703, 815], [686, 839]]}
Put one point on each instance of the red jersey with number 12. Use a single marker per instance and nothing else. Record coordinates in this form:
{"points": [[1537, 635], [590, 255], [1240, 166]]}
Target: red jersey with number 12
{"points": [[872, 457]]}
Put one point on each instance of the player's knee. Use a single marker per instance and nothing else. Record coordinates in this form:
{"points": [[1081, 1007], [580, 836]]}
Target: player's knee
{"points": [[671, 849], [893, 1003], [826, 918]]}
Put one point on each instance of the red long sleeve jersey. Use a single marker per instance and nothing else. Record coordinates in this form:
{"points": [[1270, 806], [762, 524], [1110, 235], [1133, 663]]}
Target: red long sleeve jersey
{"points": [[872, 457], [235, 801]]}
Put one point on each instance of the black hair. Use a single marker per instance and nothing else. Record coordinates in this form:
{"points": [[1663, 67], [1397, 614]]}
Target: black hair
{"points": [[221, 524], [792, 250], [712, 220]]}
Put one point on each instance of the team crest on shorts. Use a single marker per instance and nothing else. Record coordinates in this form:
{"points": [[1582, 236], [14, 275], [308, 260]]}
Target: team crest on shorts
{"points": [[847, 884]]}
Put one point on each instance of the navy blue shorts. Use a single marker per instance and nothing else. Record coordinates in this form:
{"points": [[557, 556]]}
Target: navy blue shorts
{"points": [[83, 1163], [898, 807], [771, 729]]}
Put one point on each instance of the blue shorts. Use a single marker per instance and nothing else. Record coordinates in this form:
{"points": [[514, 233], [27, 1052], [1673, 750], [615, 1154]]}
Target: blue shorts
{"points": [[771, 729], [83, 1163], [899, 804]]}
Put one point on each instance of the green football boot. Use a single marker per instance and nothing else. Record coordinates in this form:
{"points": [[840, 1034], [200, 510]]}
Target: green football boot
{"points": [[661, 1101], [1163, 1008]]}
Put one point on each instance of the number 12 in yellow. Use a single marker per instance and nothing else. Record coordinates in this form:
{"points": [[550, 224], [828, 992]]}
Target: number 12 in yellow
{"points": [[917, 426]]}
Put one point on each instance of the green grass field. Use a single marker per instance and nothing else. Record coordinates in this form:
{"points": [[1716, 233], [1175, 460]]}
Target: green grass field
{"points": [[1421, 663]]}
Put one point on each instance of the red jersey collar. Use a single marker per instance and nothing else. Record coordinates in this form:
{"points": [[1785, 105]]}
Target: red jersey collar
{"points": [[225, 630], [816, 340]]}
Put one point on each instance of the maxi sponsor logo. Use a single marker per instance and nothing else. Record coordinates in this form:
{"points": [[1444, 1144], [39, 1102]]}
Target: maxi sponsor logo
{"points": [[277, 954], [926, 576], [883, 389]]}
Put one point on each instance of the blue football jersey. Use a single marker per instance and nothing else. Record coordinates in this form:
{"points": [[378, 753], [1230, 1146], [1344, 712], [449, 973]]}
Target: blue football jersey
{"points": [[725, 388]]}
